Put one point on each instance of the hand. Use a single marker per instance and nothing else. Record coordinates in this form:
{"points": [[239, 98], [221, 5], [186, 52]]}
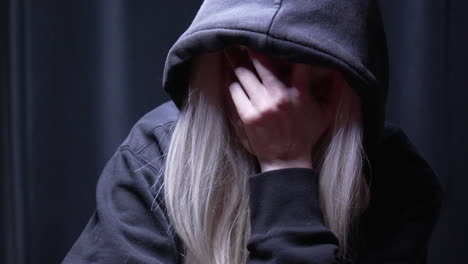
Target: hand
{"points": [[276, 122]]}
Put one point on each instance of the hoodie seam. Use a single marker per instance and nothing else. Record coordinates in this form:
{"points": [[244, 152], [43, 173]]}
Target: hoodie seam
{"points": [[278, 4], [176, 246], [140, 159], [358, 72]]}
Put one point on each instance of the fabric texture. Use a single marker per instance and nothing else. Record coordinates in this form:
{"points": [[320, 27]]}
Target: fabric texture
{"points": [[130, 224], [346, 35]]}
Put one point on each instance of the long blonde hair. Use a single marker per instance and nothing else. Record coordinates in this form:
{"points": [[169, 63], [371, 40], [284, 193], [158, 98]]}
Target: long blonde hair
{"points": [[205, 178]]}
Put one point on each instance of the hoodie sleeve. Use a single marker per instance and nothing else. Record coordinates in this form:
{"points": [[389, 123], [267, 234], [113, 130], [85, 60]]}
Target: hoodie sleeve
{"points": [[287, 223], [286, 220], [128, 225]]}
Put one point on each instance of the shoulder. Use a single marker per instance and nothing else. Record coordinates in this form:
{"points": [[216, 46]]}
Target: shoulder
{"points": [[131, 215], [149, 136], [399, 172], [395, 136], [405, 202], [396, 151]]}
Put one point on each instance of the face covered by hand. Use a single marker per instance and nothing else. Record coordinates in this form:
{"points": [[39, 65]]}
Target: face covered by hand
{"points": [[277, 108]]}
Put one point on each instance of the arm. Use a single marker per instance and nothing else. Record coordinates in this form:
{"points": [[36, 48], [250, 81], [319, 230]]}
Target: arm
{"points": [[128, 226], [287, 223], [406, 199]]}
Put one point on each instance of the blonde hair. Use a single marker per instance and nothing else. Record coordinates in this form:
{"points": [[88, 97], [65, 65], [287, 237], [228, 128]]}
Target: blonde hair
{"points": [[207, 170]]}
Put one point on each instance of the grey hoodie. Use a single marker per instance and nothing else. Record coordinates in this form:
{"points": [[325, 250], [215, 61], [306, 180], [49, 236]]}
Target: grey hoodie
{"points": [[347, 35], [130, 223]]}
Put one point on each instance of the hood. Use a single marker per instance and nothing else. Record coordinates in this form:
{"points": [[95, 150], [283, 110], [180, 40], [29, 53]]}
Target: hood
{"points": [[347, 35]]}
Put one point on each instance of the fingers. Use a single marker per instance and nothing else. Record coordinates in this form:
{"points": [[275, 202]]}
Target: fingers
{"points": [[268, 73], [242, 104], [245, 73]]}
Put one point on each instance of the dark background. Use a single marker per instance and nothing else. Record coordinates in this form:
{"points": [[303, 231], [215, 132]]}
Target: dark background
{"points": [[76, 75]]}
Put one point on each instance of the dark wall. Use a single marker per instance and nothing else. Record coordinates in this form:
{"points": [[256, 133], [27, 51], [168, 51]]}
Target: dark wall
{"points": [[76, 75], [428, 44], [80, 75]]}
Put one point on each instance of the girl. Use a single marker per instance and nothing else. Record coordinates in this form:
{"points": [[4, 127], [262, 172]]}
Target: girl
{"points": [[273, 149]]}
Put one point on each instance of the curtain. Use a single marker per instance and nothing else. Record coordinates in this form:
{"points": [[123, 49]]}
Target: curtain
{"points": [[428, 44]]}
